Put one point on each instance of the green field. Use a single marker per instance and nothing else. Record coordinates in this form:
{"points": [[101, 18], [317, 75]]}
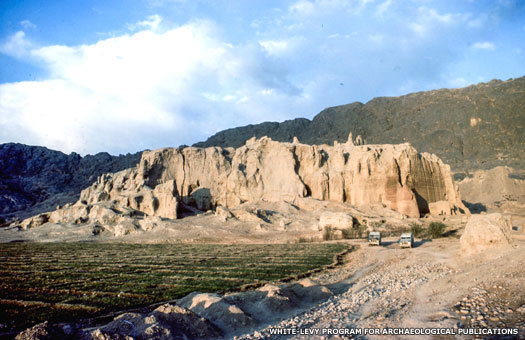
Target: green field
{"points": [[68, 281]]}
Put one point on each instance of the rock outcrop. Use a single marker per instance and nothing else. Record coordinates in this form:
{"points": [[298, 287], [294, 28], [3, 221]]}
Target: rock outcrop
{"points": [[35, 179], [486, 233], [395, 176], [495, 185]]}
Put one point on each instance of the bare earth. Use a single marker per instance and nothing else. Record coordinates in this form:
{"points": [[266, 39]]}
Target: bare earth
{"points": [[427, 286]]}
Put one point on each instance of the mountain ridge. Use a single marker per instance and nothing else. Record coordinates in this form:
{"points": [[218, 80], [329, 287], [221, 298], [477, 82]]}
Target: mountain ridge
{"points": [[452, 123], [35, 178]]}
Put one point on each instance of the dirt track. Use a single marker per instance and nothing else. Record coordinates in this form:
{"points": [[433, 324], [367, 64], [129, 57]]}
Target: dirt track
{"points": [[429, 286]]}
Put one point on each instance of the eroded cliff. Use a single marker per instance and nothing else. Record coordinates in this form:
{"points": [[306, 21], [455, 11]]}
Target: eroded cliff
{"points": [[396, 176]]}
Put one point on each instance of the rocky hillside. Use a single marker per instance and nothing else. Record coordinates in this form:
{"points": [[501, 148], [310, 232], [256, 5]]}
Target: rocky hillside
{"points": [[34, 179], [476, 127], [396, 176]]}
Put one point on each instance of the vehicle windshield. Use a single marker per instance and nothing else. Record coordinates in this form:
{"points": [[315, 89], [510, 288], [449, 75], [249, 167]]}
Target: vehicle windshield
{"points": [[375, 237]]}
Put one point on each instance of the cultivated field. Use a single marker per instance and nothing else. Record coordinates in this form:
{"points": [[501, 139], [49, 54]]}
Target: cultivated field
{"points": [[68, 281]]}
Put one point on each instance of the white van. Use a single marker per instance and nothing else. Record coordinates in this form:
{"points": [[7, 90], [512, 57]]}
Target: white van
{"points": [[406, 240], [374, 238]]}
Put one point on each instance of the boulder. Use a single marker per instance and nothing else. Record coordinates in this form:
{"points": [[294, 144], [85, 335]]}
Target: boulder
{"points": [[166, 196], [74, 213], [336, 220], [485, 233]]}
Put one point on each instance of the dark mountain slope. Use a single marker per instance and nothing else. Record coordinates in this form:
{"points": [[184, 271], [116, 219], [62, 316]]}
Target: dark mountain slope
{"points": [[35, 179], [476, 127]]}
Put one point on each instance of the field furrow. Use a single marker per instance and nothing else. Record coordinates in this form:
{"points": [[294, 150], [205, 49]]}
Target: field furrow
{"points": [[67, 281]]}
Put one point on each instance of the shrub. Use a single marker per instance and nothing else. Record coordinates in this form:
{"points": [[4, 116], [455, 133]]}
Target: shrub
{"points": [[303, 239], [436, 229], [376, 225], [416, 229], [327, 233], [357, 231], [347, 233]]}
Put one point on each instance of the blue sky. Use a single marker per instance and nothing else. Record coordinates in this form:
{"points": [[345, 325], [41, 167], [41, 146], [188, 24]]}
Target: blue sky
{"points": [[122, 76]]}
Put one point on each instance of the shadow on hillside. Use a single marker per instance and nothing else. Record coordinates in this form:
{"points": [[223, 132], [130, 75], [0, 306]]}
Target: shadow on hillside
{"points": [[186, 210], [475, 208]]}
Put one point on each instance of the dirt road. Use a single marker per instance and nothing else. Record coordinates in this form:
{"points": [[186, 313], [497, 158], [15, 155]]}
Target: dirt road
{"points": [[428, 286]]}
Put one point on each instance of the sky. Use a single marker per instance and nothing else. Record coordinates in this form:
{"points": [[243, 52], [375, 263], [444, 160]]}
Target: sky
{"points": [[127, 75]]}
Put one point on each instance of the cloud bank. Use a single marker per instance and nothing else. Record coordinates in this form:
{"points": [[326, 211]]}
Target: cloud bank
{"points": [[141, 89], [161, 84]]}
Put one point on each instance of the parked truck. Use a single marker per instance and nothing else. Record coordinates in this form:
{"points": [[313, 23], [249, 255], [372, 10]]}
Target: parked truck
{"points": [[374, 238], [406, 240]]}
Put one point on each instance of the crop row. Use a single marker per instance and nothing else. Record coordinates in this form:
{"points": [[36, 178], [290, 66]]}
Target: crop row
{"points": [[66, 281]]}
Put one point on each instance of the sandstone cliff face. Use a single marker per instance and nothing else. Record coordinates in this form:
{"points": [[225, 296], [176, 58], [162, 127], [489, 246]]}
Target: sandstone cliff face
{"points": [[393, 175]]}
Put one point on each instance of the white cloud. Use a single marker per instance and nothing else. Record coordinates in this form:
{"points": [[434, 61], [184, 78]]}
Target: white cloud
{"points": [[17, 45], [302, 7], [158, 85], [485, 45], [417, 28], [383, 7], [340, 3], [376, 38], [141, 90], [266, 92], [305, 7], [26, 24], [275, 47], [431, 13], [429, 18], [357, 7], [151, 23], [478, 22], [281, 48]]}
